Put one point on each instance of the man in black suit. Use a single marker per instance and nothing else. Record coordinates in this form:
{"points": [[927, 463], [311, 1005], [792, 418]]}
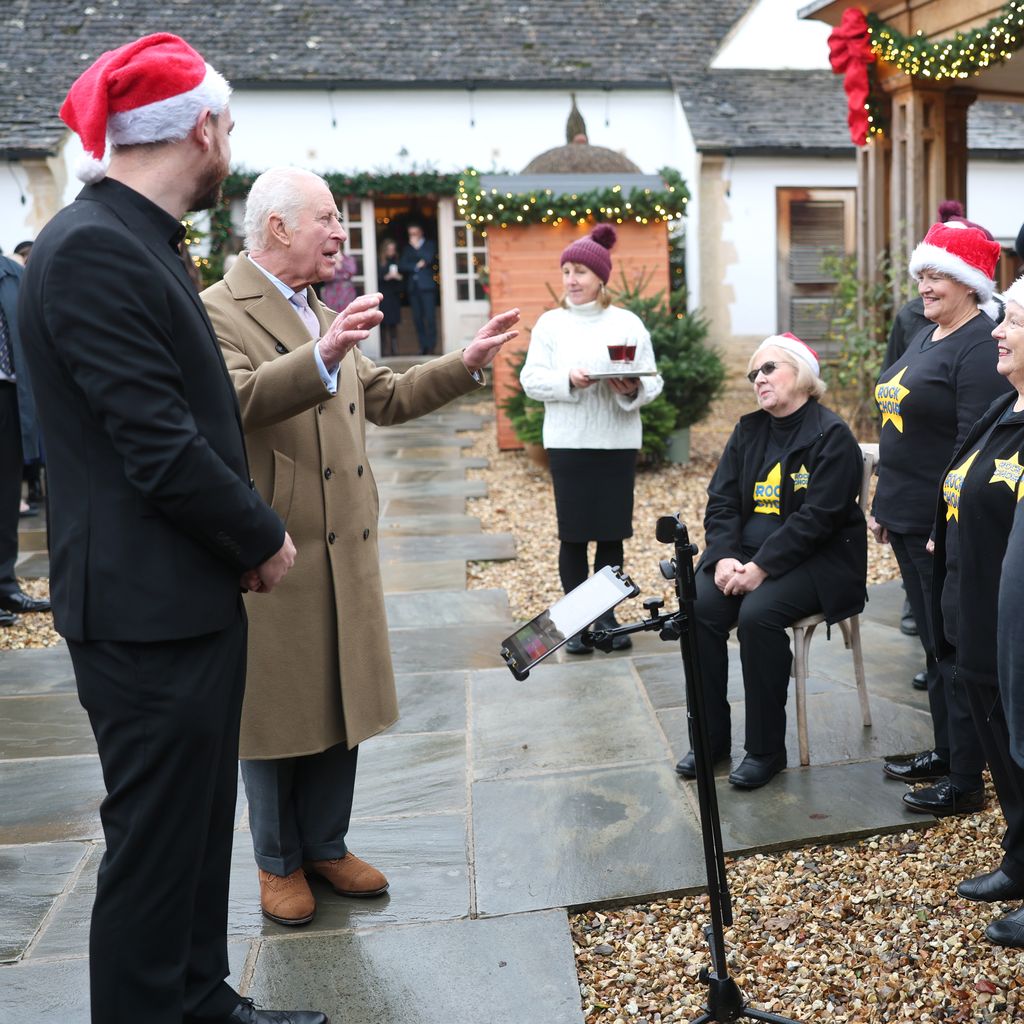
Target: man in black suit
{"points": [[419, 262], [18, 442], [155, 527]]}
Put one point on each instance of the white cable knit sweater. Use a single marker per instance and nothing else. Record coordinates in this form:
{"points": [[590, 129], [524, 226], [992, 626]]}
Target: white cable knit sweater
{"points": [[578, 338]]}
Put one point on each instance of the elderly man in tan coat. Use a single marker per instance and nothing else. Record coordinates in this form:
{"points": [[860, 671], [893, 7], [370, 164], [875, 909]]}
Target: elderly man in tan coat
{"points": [[320, 679]]}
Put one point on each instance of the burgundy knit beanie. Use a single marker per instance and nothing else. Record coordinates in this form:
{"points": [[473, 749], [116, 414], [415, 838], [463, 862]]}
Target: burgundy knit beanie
{"points": [[592, 251]]}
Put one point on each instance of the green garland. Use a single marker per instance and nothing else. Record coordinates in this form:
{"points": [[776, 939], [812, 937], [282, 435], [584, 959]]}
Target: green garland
{"points": [[965, 54], [490, 208], [363, 184]]}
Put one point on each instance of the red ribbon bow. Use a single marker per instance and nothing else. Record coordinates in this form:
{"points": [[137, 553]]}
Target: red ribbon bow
{"points": [[850, 54]]}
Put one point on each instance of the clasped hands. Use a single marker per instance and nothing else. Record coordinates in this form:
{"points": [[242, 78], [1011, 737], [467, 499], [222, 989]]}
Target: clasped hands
{"points": [[735, 578]]}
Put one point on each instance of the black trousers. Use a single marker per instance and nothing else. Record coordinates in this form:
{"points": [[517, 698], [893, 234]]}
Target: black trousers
{"points": [[956, 737], [166, 720], [1007, 775], [762, 617], [10, 485], [424, 317]]}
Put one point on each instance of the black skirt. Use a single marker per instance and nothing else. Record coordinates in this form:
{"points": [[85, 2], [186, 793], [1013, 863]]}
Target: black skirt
{"points": [[593, 492]]}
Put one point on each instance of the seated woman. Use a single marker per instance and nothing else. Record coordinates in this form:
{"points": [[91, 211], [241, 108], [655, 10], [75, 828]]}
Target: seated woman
{"points": [[784, 538]]}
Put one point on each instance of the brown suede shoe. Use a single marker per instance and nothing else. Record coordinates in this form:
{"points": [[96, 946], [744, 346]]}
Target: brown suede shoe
{"points": [[288, 899], [350, 876]]}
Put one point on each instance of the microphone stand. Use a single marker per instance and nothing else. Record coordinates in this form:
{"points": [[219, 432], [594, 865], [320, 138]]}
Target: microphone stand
{"points": [[725, 1001]]}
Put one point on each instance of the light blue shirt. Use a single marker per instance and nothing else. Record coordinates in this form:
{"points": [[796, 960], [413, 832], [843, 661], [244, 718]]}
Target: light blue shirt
{"points": [[329, 378]]}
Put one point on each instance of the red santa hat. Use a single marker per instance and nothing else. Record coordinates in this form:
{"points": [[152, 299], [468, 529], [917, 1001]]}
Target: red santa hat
{"points": [[793, 345], [962, 252], [151, 90]]}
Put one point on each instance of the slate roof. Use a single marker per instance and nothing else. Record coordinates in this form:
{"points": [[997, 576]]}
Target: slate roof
{"points": [[804, 112], [44, 44]]}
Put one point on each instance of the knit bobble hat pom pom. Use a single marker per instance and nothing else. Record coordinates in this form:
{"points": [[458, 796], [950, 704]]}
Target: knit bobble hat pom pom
{"points": [[592, 251]]}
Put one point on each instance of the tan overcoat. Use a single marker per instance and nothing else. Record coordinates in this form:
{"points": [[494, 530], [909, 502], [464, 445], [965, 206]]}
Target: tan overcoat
{"points": [[319, 663]]}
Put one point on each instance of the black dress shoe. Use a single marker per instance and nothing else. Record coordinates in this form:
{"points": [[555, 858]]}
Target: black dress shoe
{"points": [[19, 601], [1009, 930], [246, 1013], [944, 799], [994, 887], [577, 645], [8, 618], [757, 769], [608, 621], [908, 625], [687, 764], [920, 681], [920, 768]]}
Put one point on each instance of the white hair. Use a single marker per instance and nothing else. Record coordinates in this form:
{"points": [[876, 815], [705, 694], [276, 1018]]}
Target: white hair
{"points": [[169, 120], [275, 191]]}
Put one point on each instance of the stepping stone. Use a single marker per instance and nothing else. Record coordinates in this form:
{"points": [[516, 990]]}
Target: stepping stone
{"points": [[458, 488], [38, 993], [537, 725], [428, 525], [51, 726], [406, 576], [53, 799], [424, 859], [31, 878], [36, 671], [476, 547], [67, 931], [431, 702], [581, 837], [33, 566], [452, 504], [383, 464], [452, 647], [454, 607], [509, 971], [410, 473], [408, 775]]}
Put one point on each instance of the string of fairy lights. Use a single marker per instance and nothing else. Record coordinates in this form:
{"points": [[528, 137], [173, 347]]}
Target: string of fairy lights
{"points": [[486, 208]]}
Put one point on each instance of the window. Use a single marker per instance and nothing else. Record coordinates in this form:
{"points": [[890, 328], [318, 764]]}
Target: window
{"points": [[812, 225], [470, 258]]}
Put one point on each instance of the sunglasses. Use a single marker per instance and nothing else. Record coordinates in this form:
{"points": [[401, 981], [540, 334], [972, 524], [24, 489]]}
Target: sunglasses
{"points": [[766, 368]]}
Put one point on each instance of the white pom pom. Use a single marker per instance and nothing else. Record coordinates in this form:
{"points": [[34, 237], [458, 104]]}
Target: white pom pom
{"points": [[89, 169]]}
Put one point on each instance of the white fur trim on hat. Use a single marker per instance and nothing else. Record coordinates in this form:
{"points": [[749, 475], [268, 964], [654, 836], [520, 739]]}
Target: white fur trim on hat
{"points": [[171, 119], [931, 257], [1015, 293], [795, 347]]}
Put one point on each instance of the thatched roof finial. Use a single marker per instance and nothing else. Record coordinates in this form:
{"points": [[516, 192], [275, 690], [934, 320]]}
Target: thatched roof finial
{"points": [[575, 127]]}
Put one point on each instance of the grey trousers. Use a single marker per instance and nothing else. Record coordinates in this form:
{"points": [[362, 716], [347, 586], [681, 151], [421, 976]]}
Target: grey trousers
{"points": [[299, 807]]}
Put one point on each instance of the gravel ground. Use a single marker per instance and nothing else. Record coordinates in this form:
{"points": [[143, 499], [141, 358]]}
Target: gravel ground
{"points": [[31, 630], [862, 934]]}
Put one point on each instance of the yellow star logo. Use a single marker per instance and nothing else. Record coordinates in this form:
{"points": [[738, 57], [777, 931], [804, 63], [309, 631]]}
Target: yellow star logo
{"points": [[800, 478], [1008, 471], [952, 484], [766, 492], [889, 395]]}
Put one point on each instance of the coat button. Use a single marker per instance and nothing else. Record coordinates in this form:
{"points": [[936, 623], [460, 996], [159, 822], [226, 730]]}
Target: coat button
{"points": [[327, 473], [359, 471], [366, 534], [352, 408], [331, 537], [280, 348]]}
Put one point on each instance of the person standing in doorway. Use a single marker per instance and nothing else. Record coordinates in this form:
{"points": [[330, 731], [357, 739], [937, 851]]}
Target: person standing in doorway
{"points": [[418, 263]]}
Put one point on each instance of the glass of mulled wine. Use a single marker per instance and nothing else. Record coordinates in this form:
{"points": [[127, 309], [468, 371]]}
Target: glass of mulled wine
{"points": [[622, 354]]}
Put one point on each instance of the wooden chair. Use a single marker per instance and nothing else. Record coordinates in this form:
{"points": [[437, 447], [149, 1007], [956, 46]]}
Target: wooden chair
{"points": [[803, 630]]}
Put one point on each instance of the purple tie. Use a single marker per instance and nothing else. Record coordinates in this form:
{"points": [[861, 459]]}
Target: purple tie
{"points": [[301, 304]]}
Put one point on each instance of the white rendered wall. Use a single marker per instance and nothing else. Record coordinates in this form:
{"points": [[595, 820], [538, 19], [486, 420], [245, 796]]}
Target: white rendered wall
{"points": [[15, 218], [751, 228], [992, 189], [771, 35]]}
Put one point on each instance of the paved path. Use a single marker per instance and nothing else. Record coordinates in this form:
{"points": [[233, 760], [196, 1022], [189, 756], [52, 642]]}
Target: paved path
{"points": [[492, 805]]}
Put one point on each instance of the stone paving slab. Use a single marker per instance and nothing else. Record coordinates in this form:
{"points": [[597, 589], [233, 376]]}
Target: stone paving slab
{"points": [[36, 671], [434, 649], [49, 726], [582, 837], [821, 804], [451, 459], [538, 725], [423, 858], [67, 931], [411, 473], [483, 547], [436, 525], [413, 441], [31, 878], [431, 702], [453, 504], [459, 488], [835, 729], [453, 607], [515, 970], [409, 576], [405, 775], [50, 800], [33, 565]]}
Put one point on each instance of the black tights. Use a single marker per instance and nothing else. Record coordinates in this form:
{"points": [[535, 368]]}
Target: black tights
{"points": [[389, 339], [572, 560]]}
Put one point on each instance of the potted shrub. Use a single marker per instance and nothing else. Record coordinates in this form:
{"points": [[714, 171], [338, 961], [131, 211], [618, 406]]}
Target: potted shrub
{"points": [[527, 418]]}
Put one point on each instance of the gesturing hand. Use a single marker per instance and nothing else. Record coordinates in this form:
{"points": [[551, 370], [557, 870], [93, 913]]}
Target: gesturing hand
{"points": [[480, 352], [351, 326]]}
